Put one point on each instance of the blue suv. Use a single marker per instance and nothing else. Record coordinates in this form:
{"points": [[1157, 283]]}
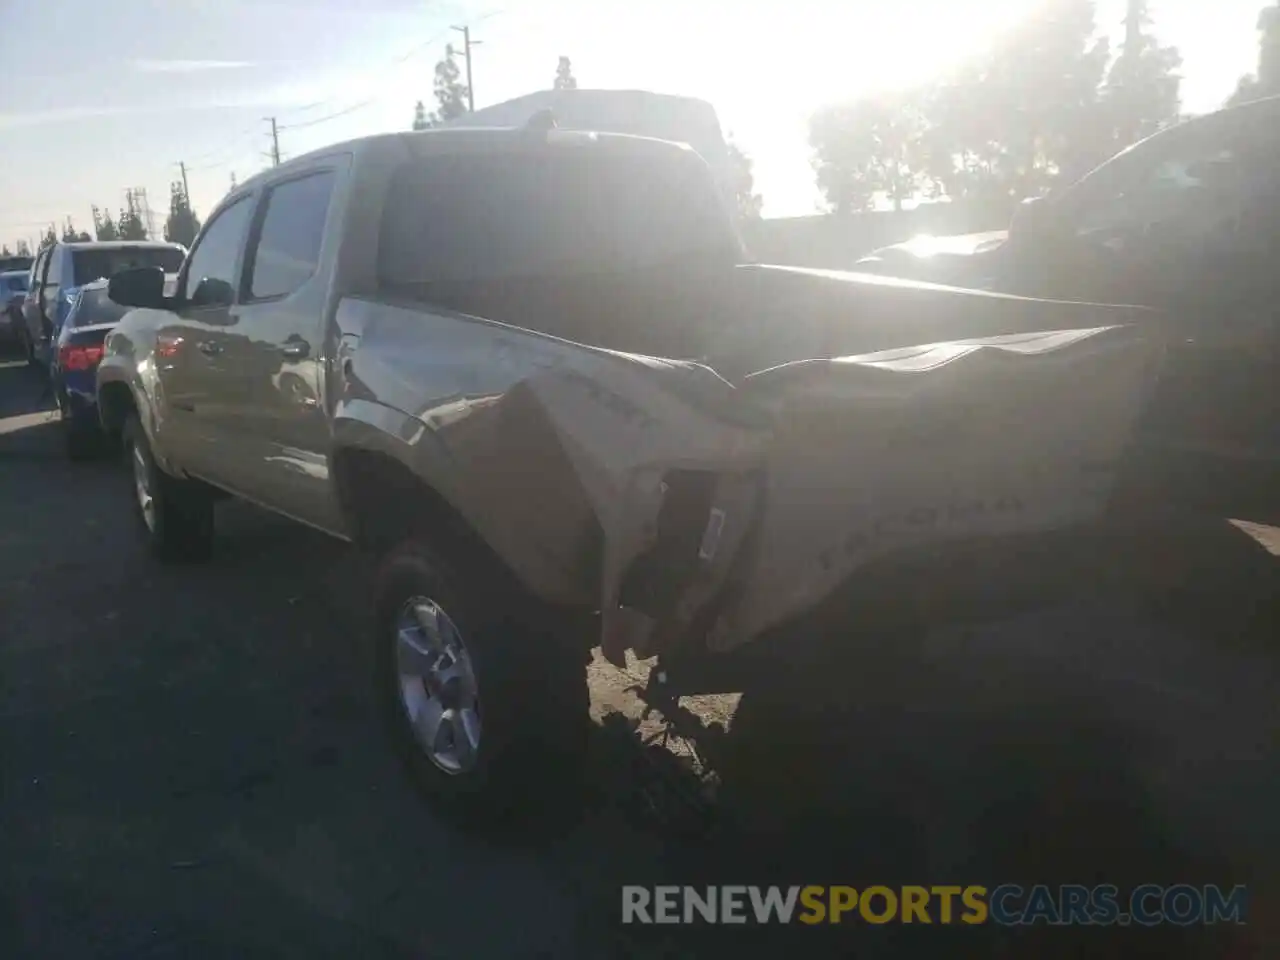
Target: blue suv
{"points": [[62, 269]]}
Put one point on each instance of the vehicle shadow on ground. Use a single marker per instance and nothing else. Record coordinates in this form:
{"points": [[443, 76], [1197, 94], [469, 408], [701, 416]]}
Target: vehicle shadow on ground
{"points": [[194, 760]]}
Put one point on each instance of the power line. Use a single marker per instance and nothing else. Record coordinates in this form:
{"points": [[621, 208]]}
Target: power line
{"points": [[331, 116], [201, 157], [302, 125]]}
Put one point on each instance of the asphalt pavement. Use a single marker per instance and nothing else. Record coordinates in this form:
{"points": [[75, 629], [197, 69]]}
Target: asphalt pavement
{"points": [[192, 766]]}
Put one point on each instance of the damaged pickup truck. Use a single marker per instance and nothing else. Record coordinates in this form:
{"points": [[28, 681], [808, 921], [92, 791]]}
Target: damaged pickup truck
{"points": [[528, 370]]}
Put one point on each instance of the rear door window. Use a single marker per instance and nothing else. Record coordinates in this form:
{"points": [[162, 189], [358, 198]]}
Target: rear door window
{"points": [[100, 264], [218, 249], [287, 250], [96, 307], [539, 213]]}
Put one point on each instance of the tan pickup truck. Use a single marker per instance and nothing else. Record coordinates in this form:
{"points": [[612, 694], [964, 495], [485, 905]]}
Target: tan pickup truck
{"points": [[528, 369]]}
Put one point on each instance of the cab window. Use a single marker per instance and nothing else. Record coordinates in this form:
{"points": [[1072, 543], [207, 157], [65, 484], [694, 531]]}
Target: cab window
{"points": [[287, 250], [211, 268]]}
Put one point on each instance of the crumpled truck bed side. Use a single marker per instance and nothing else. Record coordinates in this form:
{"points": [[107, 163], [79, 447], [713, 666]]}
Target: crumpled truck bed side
{"points": [[803, 473], [903, 449]]}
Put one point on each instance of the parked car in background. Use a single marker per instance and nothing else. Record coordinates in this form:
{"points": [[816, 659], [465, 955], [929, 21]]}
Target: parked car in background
{"points": [[1186, 221], [21, 263], [13, 288], [59, 271], [641, 113], [73, 366]]}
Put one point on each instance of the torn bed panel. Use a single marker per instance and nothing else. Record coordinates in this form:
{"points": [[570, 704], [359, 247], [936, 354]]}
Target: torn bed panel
{"points": [[587, 444], [624, 430], [890, 452]]}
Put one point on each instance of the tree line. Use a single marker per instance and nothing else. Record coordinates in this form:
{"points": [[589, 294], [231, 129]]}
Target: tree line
{"points": [[181, 225], [1049, 100]]}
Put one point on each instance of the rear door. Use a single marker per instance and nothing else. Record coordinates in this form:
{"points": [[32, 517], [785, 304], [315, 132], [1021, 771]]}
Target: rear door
{"points": [[53, 279], [50, 291], [31, 302], [275, 413], [191, 347]]}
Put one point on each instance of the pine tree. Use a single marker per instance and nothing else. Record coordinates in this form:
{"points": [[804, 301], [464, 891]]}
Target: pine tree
{"points": [[1266, 81], [182, 224], [71, 235], [565, 79], [130, 226], [1141, 92], [420, 121], [106, 228], [450, 92]]}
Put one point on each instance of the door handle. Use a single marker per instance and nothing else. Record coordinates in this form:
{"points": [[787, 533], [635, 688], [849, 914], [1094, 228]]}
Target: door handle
{"points": [[296, 349], [208, 348]]}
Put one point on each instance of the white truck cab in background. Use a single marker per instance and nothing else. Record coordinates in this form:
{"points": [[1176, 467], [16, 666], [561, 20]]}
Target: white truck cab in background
{"points": [[637, 112]]}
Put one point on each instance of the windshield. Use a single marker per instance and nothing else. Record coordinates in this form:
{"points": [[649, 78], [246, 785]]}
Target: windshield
{"points": [[541, 214], [100, 264], [14, 283], [96, 307]]}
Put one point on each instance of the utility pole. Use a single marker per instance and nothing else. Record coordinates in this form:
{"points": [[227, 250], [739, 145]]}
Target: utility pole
{"points": [[467, 44], [275, 142]]}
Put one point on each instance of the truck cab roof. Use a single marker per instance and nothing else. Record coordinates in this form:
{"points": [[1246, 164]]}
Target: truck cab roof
{"points": [[119, 244], [482, 139]]}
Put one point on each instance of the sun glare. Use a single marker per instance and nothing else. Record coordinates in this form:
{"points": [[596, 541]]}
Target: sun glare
{"points": [[776, 72]]}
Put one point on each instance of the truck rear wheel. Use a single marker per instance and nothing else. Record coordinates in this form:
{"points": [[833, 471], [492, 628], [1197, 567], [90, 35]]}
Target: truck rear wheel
{"points": [[488, 710], [175, 516]]}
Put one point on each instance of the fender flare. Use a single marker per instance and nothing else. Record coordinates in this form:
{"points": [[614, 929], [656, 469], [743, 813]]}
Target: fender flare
{"points": [[116, 371]]}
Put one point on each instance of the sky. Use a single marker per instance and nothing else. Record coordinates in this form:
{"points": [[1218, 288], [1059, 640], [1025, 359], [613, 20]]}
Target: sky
{"points": [[101, 97]]}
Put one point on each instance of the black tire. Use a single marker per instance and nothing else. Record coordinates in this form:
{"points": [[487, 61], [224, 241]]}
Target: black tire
{"points": [[181, 525], [532, 697]]}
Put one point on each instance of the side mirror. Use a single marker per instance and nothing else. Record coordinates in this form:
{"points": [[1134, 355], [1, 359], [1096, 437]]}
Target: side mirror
{"points": [[210, 292], [138, 287]]}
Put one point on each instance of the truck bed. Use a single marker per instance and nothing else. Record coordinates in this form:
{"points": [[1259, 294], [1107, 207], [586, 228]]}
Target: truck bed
{"points": [[756, 494]]}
